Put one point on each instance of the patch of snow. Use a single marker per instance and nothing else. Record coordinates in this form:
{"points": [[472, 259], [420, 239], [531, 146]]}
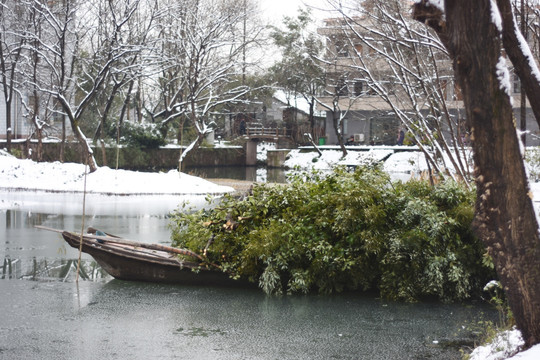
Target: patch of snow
{"points": [[70, 177], [298, 102], [530, 354], [503, 76], [505, 345], [496, 18], [406, 162], [526, 50], [262, 149], [437, 3], [332, 158], [492, 285]]}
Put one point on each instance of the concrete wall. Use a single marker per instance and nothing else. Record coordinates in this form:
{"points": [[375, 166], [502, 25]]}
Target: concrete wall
{"points": [[137, 159], [276, 158]]}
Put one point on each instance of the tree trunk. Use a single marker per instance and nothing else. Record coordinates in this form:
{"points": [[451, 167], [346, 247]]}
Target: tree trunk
{"points": [[312, 118], [88, 154], [505, 219], [63, 142], [338, 128], [8, 126]]}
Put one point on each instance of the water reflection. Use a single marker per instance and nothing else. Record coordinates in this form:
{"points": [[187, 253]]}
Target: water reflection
{"points": [[96, 204], [34, 254], [52, 270], [247, 173]]}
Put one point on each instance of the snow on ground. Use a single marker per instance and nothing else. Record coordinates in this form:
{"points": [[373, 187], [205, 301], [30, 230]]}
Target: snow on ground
{"points": [[330, 158], [406, 162], [262, 149], [69, 177], [18, 174], [531, 354], [505, 346]]}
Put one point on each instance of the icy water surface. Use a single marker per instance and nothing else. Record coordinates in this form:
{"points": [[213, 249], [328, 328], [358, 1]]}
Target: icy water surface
{"points": [[126, 320], [46, 315]]}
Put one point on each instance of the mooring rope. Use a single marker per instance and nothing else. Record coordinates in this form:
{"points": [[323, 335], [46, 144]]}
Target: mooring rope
{"points": [[82, 228]]}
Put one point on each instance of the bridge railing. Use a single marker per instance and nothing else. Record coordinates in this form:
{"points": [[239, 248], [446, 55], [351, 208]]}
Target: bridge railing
{"points": [[255, 130]]}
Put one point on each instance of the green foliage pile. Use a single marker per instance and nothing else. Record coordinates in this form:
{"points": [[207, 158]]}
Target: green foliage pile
{"points": [[346, 230], [139, 135]]}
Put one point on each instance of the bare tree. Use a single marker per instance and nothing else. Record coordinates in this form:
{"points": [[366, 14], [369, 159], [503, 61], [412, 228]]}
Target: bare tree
{"points": [[77, 74], [203, 60], [406, 66], [339, 94], [336, 98], [117, 93]]}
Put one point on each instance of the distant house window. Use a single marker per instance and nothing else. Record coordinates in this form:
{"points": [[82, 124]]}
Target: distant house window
{"points": [[444, 89], [457, 93], [361, 87], [341, 87], [358, 87], [342, 50]]}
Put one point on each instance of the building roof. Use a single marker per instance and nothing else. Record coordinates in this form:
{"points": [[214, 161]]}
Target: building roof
{"points": [[298, 102]]}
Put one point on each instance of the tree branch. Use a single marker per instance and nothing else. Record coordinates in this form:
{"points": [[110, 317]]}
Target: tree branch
{"points": [[426, 12], [519, 53]]}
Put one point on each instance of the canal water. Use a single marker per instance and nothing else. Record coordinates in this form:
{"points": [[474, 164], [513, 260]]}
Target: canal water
{"points": [[46, 314]]}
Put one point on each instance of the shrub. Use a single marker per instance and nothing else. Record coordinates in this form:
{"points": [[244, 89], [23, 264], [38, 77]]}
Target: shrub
{"points": [[344, 231], [140, 135]]}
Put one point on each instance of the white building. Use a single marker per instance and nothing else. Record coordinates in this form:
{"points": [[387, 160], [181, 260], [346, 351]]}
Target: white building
{"points": [[20, 127]]}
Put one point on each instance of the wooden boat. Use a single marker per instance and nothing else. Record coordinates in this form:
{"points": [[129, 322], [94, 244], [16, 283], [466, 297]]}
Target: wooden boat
{"points": [[129, 260]]}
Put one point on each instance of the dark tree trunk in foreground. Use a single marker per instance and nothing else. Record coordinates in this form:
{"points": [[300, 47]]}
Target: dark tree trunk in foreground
{"points": [[505, 219]]}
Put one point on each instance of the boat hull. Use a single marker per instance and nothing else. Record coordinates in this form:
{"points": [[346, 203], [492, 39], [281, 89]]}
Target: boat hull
{"points": [[137, 264]]}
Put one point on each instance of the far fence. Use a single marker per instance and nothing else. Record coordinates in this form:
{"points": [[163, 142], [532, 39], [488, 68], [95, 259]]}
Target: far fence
{"points": [[256, 130]]}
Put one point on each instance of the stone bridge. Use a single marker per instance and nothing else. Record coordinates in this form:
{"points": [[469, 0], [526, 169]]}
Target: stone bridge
{"points": [[256, 133]]}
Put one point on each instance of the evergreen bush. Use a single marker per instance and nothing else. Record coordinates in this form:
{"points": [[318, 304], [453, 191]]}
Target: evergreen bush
{"points": [[345, 231], [139, 135]]}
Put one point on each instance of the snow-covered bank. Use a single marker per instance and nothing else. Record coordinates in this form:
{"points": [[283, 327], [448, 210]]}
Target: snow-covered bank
{"points": [[503, 346], [18, 174], [531, 354], [54, 188], [331, 158]]}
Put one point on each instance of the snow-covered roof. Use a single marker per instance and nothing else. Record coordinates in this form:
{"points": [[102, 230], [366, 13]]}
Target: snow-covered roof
{"points": [[298, 102]]}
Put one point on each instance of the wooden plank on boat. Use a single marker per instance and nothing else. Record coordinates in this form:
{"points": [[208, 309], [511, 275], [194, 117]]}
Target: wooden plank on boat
{"points": [[115, 239]]}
